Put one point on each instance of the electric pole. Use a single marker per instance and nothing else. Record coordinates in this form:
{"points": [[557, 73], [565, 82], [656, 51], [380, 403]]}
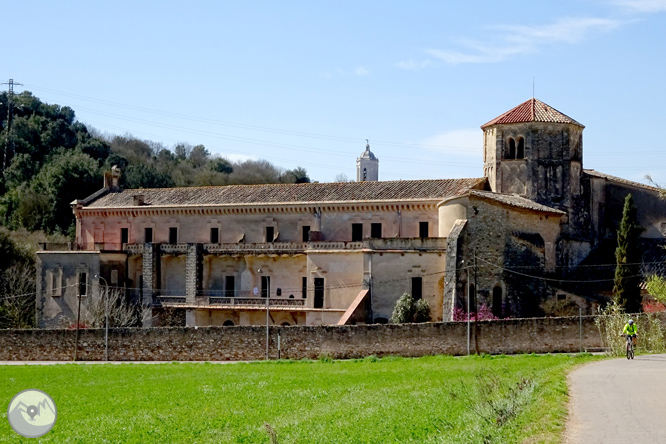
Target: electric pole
{"points": [[8, 141]]}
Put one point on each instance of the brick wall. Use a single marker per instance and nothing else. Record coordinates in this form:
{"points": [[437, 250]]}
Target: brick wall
{"points": [[539, 335]]}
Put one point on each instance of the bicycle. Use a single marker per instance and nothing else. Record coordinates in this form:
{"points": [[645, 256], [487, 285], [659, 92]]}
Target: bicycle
{"points": [[630, 347]]}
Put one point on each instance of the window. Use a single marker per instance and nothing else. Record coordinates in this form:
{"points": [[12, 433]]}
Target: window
{"points": [[173, 235], [229, 286], [214, 235], [148, 235], [376, 231], [511, 149], [83, 284], [124, 235], [472, 298], [365, 174], [319, 293], [56, 281], [423, 229], [228, 323], [304, 289], [270, 234], [417, 288], [306, 233], [357, 232], [114, 278], [497, 301], [520, 151], [265, 286]]}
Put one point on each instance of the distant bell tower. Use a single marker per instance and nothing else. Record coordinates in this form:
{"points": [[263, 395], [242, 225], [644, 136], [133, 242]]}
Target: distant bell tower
{"points": [[367, 166]]}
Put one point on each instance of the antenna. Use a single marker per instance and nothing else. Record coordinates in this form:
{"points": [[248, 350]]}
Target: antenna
{"points": [[532, 86]]}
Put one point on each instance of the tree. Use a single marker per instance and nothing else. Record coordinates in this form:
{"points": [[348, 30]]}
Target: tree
{"points": [[408, 310], [626, 289], [17, 296]]}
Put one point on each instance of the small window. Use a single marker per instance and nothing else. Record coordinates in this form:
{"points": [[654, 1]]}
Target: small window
{"points": [[214, 235], [357, 232], [318, 292], [228, 323], [511, 149], [365, 174], [270, 234], [229, 286], [376, 231], [173, 235], [286, 324], [306, 233], [472, 298], [278, 292], [423, 229], [497, 301], [148, 235], [417, 288], [265, 286], [83, 284], [520, 151], [124, 235], [304, 289]]}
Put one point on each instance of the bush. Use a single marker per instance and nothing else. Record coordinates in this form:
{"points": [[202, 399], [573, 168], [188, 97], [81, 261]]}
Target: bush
{"points": [[611, 321], [407, 310]]}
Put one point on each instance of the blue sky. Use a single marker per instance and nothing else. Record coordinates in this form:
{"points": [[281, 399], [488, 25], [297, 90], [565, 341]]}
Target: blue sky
{"points": [[305, 83]]}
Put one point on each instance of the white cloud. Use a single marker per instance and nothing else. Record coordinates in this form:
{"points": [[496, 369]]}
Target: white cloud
{"points": [[361, 71], [467, 142], [643, 5], [516, 40], [411, 65]]}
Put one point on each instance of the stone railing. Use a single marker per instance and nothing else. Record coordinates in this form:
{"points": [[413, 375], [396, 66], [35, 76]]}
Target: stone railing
{"points": [[263, 247], [237, 302]]}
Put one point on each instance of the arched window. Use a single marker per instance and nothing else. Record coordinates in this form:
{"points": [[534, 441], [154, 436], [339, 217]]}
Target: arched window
{"points": [[365, 174], [286, 324], [511, 148], [520, 151], [228, 323], [497, 301]]}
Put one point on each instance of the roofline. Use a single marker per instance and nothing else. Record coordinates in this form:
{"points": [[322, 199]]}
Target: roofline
{"points": [[490, 199]]}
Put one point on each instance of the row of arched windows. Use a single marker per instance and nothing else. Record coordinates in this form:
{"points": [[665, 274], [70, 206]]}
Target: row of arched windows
{"points": [[515, 148]]}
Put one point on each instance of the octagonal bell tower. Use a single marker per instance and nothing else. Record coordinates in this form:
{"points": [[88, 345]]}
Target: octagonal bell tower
{"points": [[367, 166]]}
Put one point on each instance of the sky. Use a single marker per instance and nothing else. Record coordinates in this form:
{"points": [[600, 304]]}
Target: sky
{"points": [[303, 83]]}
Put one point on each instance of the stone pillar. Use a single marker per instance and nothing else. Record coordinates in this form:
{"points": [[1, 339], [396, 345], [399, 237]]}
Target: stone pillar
{"points": [[151, 280], [193, 272]]}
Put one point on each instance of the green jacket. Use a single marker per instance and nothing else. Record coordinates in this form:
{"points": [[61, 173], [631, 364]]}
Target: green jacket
{"points": [[630, 329]]}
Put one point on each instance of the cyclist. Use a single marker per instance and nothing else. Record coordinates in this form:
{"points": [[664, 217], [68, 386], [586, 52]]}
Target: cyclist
{"points": [[631, 330]]}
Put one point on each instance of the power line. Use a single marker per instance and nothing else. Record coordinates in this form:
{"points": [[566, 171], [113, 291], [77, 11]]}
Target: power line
{"points": [[8, 140]]}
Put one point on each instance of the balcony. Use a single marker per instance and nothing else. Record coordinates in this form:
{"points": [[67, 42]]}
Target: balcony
{"points": [[217, 301]]}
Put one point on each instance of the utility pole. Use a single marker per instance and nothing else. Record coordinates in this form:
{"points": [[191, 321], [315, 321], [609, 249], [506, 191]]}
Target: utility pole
{"points": [[10, 93]]}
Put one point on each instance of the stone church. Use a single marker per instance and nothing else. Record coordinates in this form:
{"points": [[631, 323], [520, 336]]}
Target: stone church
{"points": [[536, 227]]}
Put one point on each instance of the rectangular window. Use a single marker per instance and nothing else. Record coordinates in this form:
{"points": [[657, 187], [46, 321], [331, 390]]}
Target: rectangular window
{"points": [[270, 234], [56, 284], [214, 235], [83, 284], [304, 288], [265, 286], [229, 286], [319, 293], [417, 288], [114, 277], [423, 229], [376, 231], [148, 235], [124, 235], [173, 235], [357, 232], [306, 233]]}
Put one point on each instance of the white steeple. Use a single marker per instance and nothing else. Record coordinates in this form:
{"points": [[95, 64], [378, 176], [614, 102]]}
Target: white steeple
{"points": [[367, 166]]}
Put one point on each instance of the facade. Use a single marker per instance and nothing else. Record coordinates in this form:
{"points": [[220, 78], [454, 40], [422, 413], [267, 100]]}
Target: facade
{"points": [[339, 253]]}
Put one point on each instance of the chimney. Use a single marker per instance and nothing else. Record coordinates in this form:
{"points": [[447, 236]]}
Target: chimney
{"points": [[138, 199], [112, 179]]}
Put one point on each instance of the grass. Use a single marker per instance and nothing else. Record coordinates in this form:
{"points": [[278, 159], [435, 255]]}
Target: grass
{"points": [[439, 399]]}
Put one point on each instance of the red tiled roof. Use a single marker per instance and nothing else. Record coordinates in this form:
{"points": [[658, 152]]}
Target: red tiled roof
{"points": [[292, 193], [532, 110]]}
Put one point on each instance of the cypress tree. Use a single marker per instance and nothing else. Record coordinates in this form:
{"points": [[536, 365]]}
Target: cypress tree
{"points": [[626, 291]]}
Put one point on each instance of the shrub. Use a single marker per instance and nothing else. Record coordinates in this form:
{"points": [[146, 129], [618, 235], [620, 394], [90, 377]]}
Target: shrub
{"points": [[407, 310]]}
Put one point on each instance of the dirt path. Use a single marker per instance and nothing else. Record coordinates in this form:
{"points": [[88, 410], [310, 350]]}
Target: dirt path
{"points": [[618, 401]]}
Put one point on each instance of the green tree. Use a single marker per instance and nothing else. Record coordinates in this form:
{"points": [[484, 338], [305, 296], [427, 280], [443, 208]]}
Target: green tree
{"points": [[626, 289], [146, 176]]}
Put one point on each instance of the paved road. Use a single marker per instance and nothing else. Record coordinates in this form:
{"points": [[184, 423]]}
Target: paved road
{"points": [[618, 401]]}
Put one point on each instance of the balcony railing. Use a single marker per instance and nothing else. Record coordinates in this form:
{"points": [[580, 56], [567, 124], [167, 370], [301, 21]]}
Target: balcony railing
{"points": [[238, 302]]}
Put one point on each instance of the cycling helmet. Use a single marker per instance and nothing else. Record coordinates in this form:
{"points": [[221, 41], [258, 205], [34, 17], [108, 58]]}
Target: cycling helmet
{"points": [[631, 322]]}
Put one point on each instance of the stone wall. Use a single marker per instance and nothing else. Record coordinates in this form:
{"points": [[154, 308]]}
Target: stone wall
{"points": [[539, 335]]}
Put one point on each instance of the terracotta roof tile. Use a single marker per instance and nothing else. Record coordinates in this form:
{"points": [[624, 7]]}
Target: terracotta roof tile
{"points": [[515, 200], [532, 110], [292, 193]]}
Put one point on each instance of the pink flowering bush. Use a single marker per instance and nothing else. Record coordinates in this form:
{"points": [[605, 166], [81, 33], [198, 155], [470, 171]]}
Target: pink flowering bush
{"points": [[482, 314]]}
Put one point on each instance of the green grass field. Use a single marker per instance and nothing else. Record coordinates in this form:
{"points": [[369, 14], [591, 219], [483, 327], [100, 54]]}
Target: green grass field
{"points": [[494, 399]]}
